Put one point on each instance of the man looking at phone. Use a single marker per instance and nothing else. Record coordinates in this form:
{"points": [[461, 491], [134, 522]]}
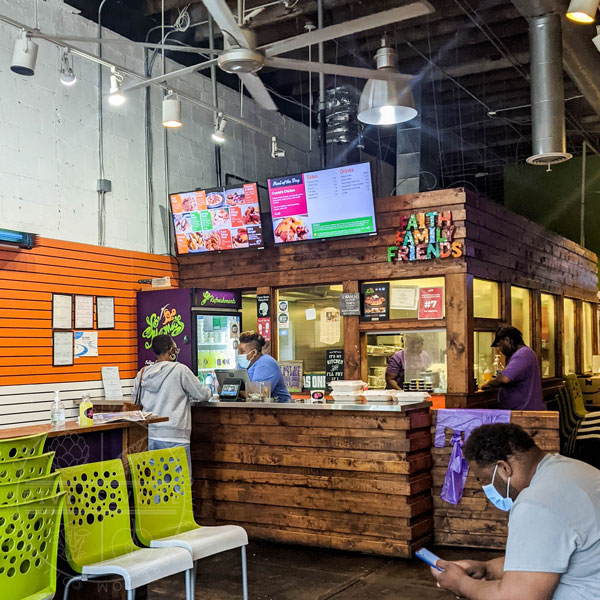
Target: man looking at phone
{"points": [[553, 546]]}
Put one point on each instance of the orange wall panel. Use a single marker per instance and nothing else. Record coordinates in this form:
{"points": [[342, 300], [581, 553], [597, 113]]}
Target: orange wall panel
{"points": [[27, 280]]}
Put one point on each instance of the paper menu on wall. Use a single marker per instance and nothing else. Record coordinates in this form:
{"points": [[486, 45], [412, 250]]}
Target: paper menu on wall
{"points": [[112, 383], [404, 298]]}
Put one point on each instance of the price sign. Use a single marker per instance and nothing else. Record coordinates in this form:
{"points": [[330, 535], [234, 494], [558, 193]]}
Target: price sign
{"points": [[431, 303]]}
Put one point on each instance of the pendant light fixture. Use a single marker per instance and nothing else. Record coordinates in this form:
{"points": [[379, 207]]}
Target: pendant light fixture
{"points": [[386, 102], [116, 98], [218, 135], [24, 55], [171, 111], [67, 75], [582, 11]]}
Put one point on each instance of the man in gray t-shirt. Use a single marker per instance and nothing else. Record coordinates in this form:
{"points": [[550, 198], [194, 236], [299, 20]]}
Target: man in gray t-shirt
{"points": [[553, 547]]}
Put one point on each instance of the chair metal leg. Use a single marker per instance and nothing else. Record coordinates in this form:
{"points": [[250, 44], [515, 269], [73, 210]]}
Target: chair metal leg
{"points": [[194, 574], [131, 594], [244, 574], [189, 584], [73, 579]]}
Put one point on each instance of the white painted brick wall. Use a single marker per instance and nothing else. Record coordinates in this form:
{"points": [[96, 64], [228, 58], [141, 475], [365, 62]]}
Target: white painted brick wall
{"points": [[49, 136]]}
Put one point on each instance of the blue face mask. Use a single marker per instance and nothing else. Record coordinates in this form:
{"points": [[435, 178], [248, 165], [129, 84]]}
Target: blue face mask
{"points": [[243, 361], [494, 496]]}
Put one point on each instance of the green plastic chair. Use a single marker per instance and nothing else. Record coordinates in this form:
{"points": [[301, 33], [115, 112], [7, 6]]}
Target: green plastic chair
{"points": [[164, 515], [22, 447], [12, 471], [27, 490], [576, 396], [29, 533], [98, 536]]}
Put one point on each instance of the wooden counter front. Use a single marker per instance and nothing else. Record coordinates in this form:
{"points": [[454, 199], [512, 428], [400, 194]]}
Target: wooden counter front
{"points": [[346, 479]]}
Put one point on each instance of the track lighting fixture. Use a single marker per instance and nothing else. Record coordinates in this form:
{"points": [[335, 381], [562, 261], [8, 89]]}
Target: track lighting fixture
{"points": [[218, 135], [276, 152], [24, 55], [582, 11], [171, 111], [116, 98], [67, 75]]}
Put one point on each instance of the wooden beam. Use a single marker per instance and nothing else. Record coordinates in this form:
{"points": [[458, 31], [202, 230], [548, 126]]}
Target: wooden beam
{"points": [[352, 349]]}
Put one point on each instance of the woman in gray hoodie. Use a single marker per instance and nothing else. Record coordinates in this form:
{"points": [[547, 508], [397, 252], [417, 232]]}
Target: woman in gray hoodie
{"points": [[166, 388]]}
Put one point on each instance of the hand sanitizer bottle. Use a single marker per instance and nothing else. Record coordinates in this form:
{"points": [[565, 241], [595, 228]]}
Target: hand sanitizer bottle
{"points": [[57, 413], [86, 411]]}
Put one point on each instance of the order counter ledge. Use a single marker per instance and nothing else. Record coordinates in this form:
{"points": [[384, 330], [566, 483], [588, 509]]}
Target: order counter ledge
{"points": [[324, 407]]}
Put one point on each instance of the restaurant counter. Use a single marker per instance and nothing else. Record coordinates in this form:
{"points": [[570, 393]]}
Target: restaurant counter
{"points": [[351, 477]]}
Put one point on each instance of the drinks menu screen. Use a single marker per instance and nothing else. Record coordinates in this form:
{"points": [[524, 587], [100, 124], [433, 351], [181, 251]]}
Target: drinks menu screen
{"points": [[212, 220], [323, 204]]}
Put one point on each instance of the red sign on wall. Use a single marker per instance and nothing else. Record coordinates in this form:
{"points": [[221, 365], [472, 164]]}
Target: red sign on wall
{"points": [[430, 303], [264, 327]]}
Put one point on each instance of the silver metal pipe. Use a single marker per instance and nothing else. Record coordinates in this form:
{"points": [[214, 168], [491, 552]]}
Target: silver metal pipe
{"points": [[322, 124], [547, 87], [582, 209], [101, 194]]}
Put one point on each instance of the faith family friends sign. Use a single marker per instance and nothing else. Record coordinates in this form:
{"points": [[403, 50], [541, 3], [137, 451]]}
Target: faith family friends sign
{"points": [[425, 236]]}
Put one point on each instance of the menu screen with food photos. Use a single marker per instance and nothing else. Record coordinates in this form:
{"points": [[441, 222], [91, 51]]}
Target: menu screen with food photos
{"points": [[222, 219], [323, 204]]}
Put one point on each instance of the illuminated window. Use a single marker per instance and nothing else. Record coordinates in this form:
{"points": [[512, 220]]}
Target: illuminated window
{"points": [[569, 336], [486, 299], [521, 312], [548, 336], [587, 337], [488, 360]]}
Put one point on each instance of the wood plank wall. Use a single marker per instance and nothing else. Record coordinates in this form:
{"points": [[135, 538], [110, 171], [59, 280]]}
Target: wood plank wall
{"points": [[27, 280], [474, 522], [350, 480]]}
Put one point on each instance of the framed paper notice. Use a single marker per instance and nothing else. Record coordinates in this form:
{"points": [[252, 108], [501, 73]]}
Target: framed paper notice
{"points": [[105, 312], [62, 311], [62, 348], [84, 312]]}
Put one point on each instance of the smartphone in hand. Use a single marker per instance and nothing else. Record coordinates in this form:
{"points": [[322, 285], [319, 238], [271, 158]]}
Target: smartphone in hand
{"points": [[429, 557]]}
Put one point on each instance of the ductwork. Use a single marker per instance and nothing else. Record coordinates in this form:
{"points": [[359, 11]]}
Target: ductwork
{"points": [[547, 91], [581, 60]]}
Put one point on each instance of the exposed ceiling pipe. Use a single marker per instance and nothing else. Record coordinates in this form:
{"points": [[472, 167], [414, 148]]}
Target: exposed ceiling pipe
{"points": [[547, 92], [581, 60]]}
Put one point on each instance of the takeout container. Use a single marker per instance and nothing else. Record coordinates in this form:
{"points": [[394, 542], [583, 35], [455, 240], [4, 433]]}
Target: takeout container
{"points": [[348, 397], [343, 385], [401, 397], [378, 396]]}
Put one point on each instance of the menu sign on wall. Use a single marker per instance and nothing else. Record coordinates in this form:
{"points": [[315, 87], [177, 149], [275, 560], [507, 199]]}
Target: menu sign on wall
{"points": [[309, 206], [375, 301], [350, 304], [222, 219]]}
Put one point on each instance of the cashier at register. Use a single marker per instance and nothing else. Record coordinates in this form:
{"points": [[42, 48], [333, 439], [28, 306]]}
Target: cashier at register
{"points": [[414, 359], [261, 367]]}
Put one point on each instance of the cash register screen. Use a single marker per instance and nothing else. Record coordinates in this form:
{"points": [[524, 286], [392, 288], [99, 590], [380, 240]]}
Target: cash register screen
{"points": [[230, 390]]}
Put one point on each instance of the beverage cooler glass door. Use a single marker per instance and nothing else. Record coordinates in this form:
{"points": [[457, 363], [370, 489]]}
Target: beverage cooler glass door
{"points": [[216, 340]]}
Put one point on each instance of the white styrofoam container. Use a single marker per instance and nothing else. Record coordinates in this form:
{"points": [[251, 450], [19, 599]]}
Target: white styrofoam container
{"points": [[347, 386]]}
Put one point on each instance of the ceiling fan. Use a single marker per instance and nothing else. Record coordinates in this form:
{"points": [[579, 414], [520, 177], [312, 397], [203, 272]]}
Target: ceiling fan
{"points": [[244, 58]]}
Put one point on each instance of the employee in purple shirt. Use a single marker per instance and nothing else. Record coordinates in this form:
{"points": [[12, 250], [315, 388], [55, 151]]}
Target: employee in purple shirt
{"points": [[414, 360], [520, 384]]}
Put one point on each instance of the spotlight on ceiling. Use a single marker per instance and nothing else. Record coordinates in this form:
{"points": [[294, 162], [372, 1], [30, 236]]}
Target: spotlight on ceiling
{"points": [[24, 55], [582, 11], [67, 75], [276, 152], [386, 102], [218, 135], [171, 111], [116, 98]]}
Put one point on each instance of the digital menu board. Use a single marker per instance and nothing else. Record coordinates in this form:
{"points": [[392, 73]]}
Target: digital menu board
{"points": [[323, 204], [219, 219]]}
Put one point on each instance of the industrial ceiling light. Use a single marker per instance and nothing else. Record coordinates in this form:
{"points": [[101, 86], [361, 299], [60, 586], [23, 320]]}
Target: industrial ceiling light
{"points": [[218, 135], [24, 55], [116, 98], [386, 102], [276, 152], [67, 75], [582, 11], [171, 111]]}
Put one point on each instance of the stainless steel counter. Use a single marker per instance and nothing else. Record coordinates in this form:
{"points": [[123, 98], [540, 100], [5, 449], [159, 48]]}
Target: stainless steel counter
{"points": [[325, 407]]}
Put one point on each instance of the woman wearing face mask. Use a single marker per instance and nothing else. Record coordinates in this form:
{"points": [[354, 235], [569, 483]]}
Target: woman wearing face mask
{"points": [[166, 388], [261, 367]]}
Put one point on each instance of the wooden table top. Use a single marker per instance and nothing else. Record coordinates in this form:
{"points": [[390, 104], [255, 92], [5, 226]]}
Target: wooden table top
{"points": [[72, 427]]}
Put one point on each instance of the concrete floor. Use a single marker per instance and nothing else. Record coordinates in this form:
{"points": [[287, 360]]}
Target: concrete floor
{"points": [[282, 572]]}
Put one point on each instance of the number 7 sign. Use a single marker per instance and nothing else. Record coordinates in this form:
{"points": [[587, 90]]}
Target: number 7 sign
{"points": [[431, 303]]}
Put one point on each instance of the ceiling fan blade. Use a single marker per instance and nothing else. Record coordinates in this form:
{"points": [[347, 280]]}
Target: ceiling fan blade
{"points": [[329, 69], [380, 19], [258, 91], [169, 76], [226, 20]]}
